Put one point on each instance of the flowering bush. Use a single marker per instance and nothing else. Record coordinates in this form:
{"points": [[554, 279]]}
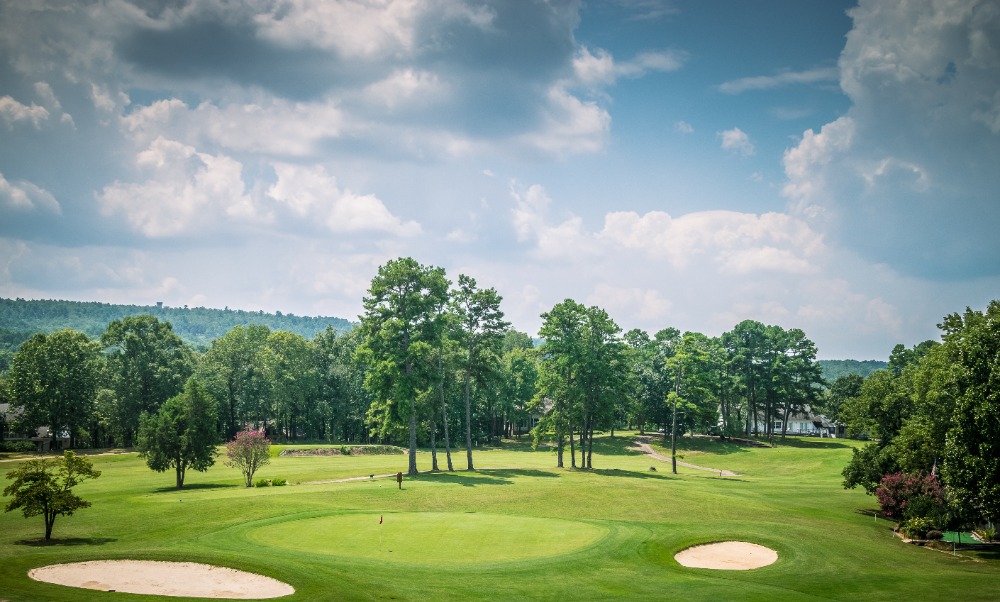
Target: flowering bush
{"points": [[248, 451], [898, 490]]}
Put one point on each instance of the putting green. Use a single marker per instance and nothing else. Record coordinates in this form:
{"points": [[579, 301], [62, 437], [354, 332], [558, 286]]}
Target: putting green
{"points": [[432, 537]]}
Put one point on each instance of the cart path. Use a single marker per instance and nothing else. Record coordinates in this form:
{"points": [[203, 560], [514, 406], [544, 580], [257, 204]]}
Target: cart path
{"points": [[642, 444]]}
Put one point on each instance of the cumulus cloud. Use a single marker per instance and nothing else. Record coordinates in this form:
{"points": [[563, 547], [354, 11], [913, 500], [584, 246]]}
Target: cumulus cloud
{"points": [[14, 112], [183, 190], [903, 177], [733, 242], [310, 192], [737, 141], [25, 196]]}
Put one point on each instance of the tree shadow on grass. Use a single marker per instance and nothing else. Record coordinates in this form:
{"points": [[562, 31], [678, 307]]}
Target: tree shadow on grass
{"points": [[196, 487], [633, 474], [709, 445], [467, 479], [519, 472], [69, 541]]}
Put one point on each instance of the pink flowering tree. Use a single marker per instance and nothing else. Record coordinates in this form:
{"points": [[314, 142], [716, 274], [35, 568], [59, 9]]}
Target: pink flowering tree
{"points": [[248, 451], [899, 489]]}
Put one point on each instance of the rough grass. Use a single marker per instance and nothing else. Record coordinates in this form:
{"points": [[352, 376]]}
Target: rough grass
{"points": [[572, 534]]}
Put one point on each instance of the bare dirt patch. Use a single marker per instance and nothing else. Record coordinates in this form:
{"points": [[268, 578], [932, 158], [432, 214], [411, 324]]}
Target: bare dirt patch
{"points": [[182, 579], [727, 556]]}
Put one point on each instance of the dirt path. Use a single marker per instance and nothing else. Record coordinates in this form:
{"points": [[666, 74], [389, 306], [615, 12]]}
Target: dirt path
{"points": [[642, 444]]}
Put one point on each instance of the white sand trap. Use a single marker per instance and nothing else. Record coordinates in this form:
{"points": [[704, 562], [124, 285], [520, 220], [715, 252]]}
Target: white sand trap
{"points": [[727, 556], [186, 579]]}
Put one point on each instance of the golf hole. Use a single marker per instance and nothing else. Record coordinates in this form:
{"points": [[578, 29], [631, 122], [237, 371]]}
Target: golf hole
{"points": [[432, 537], [727, 556]]}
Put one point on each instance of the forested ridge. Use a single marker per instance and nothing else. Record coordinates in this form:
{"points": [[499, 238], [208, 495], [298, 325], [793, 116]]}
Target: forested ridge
{"points": [[834, 369], [196, 326]]}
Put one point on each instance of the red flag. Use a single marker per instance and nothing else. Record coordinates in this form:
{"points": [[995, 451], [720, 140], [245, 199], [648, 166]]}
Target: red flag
{"points": [[380, 519]]}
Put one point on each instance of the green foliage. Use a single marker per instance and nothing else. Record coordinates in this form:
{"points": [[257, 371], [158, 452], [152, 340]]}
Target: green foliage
{"points": [[278, 482], [197, 326], [917, 527], [181, 434], [263, 483], [147, 364], [972, 450], [401, 327], [867, 467], [45, 487], [835, 369], [17, 446], [53, 380], [987, 534]]}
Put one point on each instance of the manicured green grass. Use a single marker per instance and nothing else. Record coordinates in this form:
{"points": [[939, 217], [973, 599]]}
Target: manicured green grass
{"points": [[517, 528]]}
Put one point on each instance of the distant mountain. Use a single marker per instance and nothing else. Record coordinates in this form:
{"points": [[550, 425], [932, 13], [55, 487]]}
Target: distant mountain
{"points": [[197, 326], [834, 369]]}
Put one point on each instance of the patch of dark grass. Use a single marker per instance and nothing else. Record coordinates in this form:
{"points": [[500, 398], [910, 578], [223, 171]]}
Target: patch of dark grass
{"points": [[810, 443], [69, 541], [198, 487]]}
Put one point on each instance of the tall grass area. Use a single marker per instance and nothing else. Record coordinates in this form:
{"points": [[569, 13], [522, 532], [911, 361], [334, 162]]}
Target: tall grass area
{"points": [[517, 528]]}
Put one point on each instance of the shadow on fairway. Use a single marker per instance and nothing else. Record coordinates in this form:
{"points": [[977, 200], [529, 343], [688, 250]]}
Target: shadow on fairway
{"points": [[71, 541], [195, 487], [467, 480], [632, 474], [710, 445]]}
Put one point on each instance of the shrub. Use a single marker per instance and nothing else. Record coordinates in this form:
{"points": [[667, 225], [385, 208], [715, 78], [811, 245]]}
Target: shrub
{"points": [[278, 482], [344, 450], [934, 535], [917, 527], [987, 534], [898, 490], [248, 451], [263, 483], [18, 446]]}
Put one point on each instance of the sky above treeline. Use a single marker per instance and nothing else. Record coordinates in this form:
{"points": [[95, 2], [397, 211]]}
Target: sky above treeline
{"points": [[817, 164]]}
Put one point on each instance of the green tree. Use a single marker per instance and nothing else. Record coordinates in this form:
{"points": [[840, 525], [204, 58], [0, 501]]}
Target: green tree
{"points": [[53, 380], [558, 372], [248, 451], [401, 327], [289, 361], [971, 468], [480, 332], [147, 365], [181, 434], [45, 487], [232, 371]]}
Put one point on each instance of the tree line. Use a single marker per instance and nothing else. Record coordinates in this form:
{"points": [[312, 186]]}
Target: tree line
{"points": [[933, 418], [432, 362]]}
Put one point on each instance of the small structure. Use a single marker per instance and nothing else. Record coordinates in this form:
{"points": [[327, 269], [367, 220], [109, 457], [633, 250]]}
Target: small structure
{"points": [[43, 438]]}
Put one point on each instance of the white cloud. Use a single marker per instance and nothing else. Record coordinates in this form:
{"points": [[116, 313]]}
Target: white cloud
{"points": [[785, 78], [911, 150], [647, 306], [14, 112], [272, 126], [733, 242], [25, 196], [185, 188], [310, 192], [737, 141], [599, 68], [570, 126], [684, 127]]}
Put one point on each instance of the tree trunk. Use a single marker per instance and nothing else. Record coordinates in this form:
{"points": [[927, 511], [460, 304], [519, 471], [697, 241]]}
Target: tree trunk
{"points": [[180, 475], [572, 446], [673, 439], [590, 446], [434, 450], [444, 417], [468, 420]]}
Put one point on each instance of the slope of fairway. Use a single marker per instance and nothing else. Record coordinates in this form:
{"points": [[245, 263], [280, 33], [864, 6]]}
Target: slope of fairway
{"points": [[517, 528], [432, 538]]}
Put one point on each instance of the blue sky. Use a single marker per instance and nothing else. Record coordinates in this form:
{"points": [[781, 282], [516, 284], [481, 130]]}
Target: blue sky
{"points": [[825, 165]]}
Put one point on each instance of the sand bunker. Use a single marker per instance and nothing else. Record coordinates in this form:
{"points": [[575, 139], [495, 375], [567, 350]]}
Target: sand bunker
{"points": [[187, 579], [727, 556]]}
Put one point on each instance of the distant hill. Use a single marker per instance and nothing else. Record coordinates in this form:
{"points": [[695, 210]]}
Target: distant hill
{"points": [[834, 369], [197, 326]]}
